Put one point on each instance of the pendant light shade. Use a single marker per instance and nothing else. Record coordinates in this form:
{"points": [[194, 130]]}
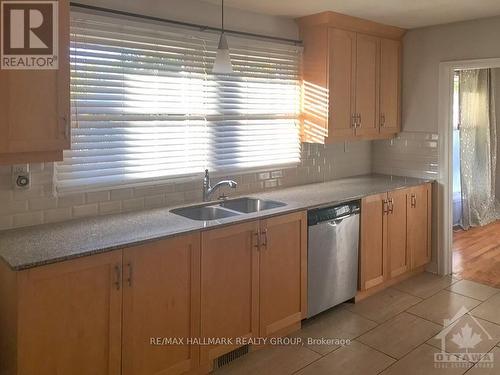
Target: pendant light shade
{"points": [[222, 64]]}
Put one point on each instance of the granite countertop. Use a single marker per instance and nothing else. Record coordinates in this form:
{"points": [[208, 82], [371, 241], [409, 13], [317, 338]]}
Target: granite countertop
{"points": [[35, 246]]}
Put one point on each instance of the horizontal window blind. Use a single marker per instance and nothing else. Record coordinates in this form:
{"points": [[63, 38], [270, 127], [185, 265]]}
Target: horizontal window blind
{"points": [[145, 105]]}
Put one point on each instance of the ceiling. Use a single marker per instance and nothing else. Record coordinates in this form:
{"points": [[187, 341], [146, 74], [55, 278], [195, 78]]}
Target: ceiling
{"points": [[403, 13]]}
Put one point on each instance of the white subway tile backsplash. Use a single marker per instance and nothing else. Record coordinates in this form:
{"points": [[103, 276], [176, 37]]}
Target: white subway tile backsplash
{"points": [[71, 200], [6, 222], [29, 218], [133, 204], [85, 210], [42, 203], [154, 201], [97, 196], [57, 214], [13, 206], [120, 194], [110, 207], [413, 154]]}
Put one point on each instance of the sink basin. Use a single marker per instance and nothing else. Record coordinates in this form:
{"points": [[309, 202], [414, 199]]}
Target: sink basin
{"points": [[204, 212], [249, 205]]}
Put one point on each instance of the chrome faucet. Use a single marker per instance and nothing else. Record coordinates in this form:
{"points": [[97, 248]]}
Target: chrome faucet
{"points": [[208, 190]]}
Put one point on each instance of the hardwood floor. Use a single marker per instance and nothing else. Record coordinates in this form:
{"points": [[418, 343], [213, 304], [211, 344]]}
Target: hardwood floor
{"points": [[476, 254]]}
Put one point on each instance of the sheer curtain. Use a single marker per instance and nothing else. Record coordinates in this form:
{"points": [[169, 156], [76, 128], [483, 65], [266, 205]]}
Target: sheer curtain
{"points": [[477, 147]]}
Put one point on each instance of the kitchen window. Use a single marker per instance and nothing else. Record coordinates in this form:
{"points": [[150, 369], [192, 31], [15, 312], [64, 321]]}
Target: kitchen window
{"points": [[146, 106]]}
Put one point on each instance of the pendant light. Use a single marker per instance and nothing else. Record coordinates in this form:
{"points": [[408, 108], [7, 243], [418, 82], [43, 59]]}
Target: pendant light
{"points": [[222, 64]]}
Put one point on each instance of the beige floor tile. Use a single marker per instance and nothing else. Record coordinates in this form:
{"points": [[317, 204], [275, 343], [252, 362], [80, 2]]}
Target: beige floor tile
{"points": [[271, 360], [384, 305], [425, 285], [354, 359], [489, 310], [443, 305], [421, 362], [337, 323], [473, 290], [489, 365], [400, 335], [479, 336]]}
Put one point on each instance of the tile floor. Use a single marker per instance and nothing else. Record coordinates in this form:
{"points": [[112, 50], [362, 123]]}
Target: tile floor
{"points": [[397, 331]]}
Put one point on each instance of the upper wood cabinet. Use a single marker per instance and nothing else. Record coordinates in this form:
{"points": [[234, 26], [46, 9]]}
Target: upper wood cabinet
{"points": [[161, 298], [390, 98], [35, 107], [341, 82], [351, 78], [63, 318], [367, 85]]}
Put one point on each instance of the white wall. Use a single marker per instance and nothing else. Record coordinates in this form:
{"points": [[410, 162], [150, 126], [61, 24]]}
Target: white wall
{"points": [[424, 49], [204, 13]]}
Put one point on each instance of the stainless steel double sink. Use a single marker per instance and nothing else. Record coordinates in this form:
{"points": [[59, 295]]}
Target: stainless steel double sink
{"points": [[229, 208]]}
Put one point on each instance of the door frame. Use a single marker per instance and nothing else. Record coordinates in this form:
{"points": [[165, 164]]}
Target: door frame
{"points": [[445, 160]]}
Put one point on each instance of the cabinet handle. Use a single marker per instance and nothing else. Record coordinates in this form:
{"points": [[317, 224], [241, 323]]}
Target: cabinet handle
{"points": [[384, 207], [64, 127], [130, 274], [359, 119], [353, 121], [382, 119], [264, 233], [257, 243], [391, 206], [413, 201], [118, 277]]}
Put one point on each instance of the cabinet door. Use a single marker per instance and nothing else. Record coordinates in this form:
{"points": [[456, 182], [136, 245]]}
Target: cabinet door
{"points": [[367, 84], [390, 51], [229, 286], [373, 261], [397, 252], [341, 62], [70, 317], [283, 272], [419, 225], [161, 291], [35, 104]]}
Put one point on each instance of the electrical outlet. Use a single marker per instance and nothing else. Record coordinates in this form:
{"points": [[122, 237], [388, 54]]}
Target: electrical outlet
{"points": [[21, 176]]}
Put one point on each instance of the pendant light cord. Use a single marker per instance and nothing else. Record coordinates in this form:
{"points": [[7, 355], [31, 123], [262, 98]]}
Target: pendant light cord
{"points": [[222, 16]]}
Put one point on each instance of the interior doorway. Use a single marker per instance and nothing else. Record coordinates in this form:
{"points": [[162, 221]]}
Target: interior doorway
{"points": [[476, 175]]}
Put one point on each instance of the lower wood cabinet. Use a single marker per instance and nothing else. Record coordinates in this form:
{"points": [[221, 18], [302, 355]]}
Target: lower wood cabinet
{"points": [[63, 318], [395, 234], [419, 224], [253, 280], [161, 299], [229, 286], [283, 273], [373, 254], [113, 313]]}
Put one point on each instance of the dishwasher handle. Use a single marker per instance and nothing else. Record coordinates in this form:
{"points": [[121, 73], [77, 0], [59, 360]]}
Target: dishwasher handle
{"points": [[340, 219]]}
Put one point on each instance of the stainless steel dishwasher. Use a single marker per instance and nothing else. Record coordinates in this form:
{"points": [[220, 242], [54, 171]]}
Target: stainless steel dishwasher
{"points": [[332, 258]]}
